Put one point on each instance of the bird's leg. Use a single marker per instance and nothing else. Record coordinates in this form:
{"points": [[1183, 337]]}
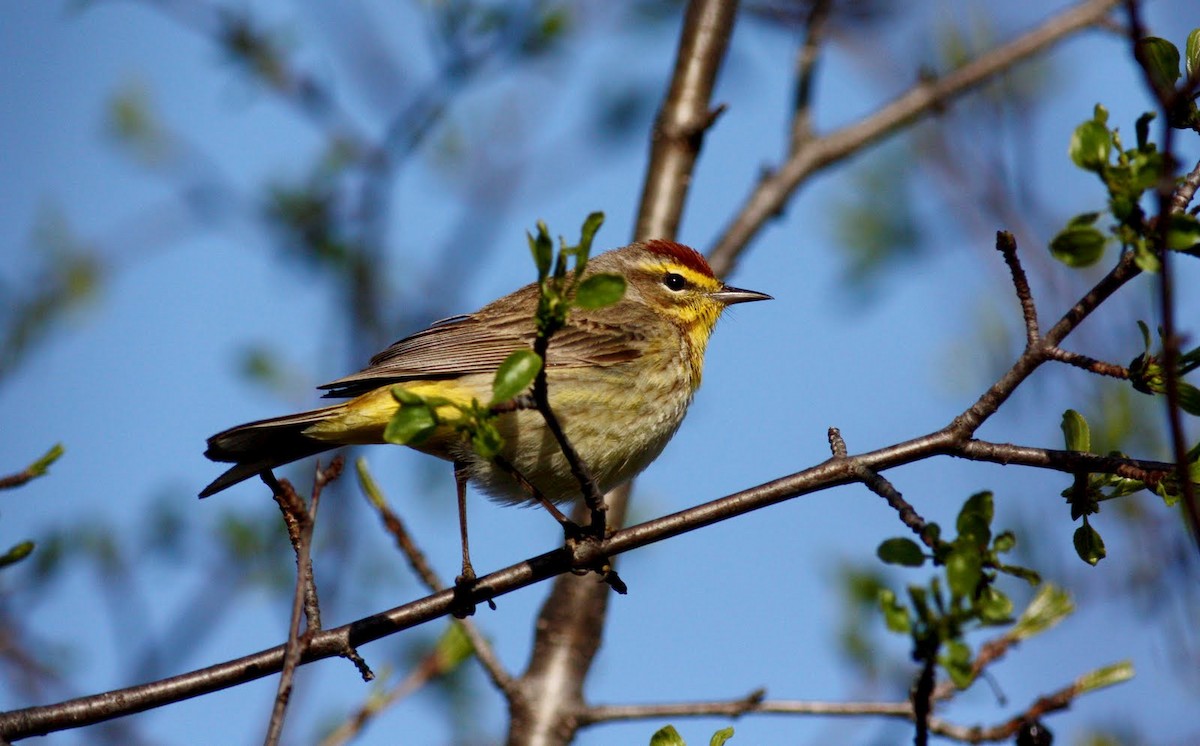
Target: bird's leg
{"points": [[464, 583], [460, 483]]}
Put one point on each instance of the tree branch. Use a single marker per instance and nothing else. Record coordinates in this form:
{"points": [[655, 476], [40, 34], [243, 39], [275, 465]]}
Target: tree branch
{"points": [[775, 189]]}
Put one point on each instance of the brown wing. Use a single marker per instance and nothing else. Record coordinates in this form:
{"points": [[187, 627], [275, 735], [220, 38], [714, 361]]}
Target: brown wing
{"points": [[479, 342]]}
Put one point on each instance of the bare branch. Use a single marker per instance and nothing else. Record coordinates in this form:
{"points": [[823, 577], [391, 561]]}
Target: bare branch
{"points": [[685, 117], [806, 68], [1007, 246], [884, 488], [754, 704], [300, 520], [771, 194], [1091, 365]]}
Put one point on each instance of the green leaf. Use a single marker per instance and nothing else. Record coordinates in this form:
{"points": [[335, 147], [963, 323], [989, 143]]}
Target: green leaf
{"points": [[895, 615], [994, 606], [720, 737], [1004, 542], [591, 224], [920, 602], [1084, 219], [667, 736], [407, 398], [1142, 128], [1191, 53], [452, 648], [964, 570], [600, 290], [16, 553], [1078, 246], [486, 440], [1050, 606], [1161, 61], [1145, 333], [38, 468], [542, 249], [901, 551], [1024, 573], [367, 483], [1145, 168], [1189, 398], [1102, 677], [975, 518], [411, 425], [1183, 232], [1145, 258], [1091, 145], [1076, 433], [515, 375], [1088, 544], [957, 662]]}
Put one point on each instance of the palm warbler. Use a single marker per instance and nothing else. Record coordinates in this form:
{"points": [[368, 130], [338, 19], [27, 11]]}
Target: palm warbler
{"points": [[619, 379]]}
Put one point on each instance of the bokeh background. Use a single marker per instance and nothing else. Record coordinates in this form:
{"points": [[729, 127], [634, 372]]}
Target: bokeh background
{"points": [[191, 240]]}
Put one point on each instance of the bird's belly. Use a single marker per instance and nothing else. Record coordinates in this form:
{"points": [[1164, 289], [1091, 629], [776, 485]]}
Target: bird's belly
{"points": [[616, 421]]}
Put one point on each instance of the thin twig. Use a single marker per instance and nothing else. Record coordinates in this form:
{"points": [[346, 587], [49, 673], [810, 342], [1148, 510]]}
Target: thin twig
{"points": [[300, 520], [875, 482], [1007, 246], [1092, 365], [1058, 700], [806, 68]]}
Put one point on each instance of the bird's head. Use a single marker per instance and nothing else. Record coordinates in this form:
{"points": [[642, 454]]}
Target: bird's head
{"points": [[676, 282]]}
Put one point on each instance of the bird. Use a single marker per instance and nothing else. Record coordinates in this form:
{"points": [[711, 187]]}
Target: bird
{"points": [[619, 379]]}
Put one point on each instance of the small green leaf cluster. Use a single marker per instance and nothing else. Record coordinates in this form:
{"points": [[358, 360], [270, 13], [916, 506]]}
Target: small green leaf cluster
{"points": [[560, 290], [1160, 59], [1128, 174], [1147, 375], [668, 736], [1088, 490], [937, 621], [418, 418], [1132, 173]]}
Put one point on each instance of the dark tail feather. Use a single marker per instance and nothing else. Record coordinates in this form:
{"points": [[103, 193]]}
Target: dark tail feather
{"points": [[258, 446]]}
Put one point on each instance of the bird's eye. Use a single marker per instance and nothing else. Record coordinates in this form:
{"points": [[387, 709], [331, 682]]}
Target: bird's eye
{"points": [[675, 281]]}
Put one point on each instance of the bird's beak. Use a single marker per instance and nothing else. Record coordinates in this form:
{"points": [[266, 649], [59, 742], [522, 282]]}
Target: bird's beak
{"points": [[730, 295]]}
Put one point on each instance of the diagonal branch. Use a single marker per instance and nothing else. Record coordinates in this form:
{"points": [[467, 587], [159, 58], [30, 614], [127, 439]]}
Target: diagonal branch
{"points": [[772, 193]]}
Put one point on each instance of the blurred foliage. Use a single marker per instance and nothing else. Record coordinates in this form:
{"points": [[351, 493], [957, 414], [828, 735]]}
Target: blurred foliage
{"points": [[67, 274], [876, 225]]}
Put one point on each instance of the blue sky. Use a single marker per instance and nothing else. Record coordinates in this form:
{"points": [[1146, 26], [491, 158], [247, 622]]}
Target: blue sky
{"points": [[133, 382]]}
